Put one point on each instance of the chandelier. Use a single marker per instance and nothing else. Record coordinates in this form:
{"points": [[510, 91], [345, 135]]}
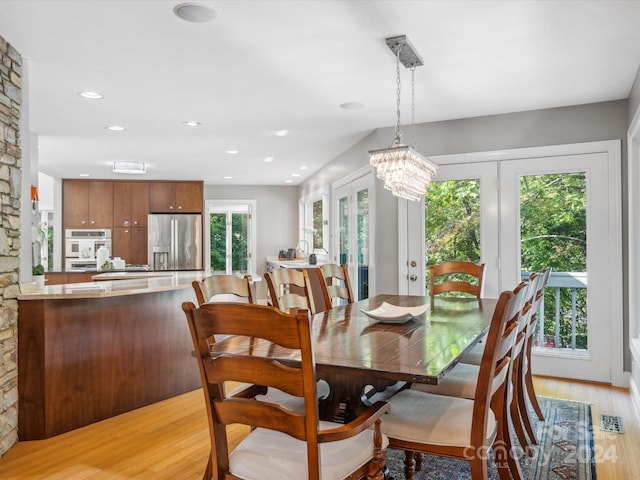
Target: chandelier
{"points": [[404, 170]]}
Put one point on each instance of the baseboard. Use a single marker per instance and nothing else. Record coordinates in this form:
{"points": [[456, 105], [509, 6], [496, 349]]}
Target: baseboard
{"points": [[635, 400], [634, 388]]}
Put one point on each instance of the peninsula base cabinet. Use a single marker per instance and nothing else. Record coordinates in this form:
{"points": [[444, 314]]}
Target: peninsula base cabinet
{"points": [[82, 360]]}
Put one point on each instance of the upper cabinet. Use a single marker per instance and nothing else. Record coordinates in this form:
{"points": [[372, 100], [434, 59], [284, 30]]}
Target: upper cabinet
{"points": [[130, 204], [87, 204], [176, 197]]}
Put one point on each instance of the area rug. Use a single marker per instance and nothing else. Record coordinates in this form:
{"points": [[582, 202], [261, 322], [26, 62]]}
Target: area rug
{"points": [[564, 452]]}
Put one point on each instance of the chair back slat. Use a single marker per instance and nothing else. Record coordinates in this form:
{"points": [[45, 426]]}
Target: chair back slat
{"points": [[441, 282], [289, 289], [209, 287], [335, 284]]}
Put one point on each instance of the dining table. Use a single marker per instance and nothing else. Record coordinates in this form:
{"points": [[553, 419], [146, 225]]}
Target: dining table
{"points": [[368, 350]]}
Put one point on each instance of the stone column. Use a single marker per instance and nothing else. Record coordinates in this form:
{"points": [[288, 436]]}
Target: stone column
{"points": [[10, 190]]}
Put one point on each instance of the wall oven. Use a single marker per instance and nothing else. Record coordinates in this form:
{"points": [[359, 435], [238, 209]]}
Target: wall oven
{"points": [[81, 246]]}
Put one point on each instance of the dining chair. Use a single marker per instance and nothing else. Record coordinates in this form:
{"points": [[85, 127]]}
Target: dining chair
{"points": [[335, 284], [456, 276], [289, 290], [462, 428], [286, 444], [210, 287], [531, 330]]}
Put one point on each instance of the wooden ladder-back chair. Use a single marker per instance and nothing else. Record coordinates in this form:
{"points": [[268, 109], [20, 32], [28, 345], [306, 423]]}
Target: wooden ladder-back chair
{"points": [[289, 290], [287, 445], [533, 320], [213, 285], [335, 283], [444, 270], [463, 428]]}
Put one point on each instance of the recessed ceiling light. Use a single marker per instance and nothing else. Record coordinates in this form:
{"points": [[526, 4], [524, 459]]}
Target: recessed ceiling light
{"points": [[295, 174], [288, 181], [84, 174], [304, 168], [282, 133], [352, 106], [129, 167], [227, 177], [192, 123], [268, 159], [90, 95], [192, 12], [116, 128], [232, 152]]}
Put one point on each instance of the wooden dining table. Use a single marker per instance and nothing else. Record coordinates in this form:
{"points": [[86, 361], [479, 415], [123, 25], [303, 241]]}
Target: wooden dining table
{"points": [[364, 359]]}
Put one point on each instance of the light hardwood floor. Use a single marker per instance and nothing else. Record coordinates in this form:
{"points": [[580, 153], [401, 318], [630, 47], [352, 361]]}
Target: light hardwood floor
{"points": [[169, 441]]}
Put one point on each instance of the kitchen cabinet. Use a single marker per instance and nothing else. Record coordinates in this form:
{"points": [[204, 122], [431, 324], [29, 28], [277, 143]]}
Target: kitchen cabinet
{"points": [[57, 278], [87, 204], [176, 197], [130, 204], [130, 244], [80, 277]]}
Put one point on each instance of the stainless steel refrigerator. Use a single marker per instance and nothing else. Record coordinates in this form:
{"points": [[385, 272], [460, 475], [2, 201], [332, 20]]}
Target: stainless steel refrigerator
{"points": [[175, 241]]}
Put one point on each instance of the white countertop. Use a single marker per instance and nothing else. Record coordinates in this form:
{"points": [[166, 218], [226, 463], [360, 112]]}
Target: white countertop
{"points": [[298, 263], [116, 287]]}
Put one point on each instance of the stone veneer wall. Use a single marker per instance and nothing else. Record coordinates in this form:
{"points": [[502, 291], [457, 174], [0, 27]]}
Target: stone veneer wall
{"points": [[10, 182]]}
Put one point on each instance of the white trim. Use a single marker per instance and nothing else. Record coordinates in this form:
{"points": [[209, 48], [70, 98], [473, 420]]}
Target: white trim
{"points": [[634, 345], [356, 174], [529, 152], [403, 247], [633, 192]]}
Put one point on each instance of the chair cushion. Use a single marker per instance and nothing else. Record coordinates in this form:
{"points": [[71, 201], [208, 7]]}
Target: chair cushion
{"points": [[432, 419], [474, 357], [460, 381], [266, 454]]}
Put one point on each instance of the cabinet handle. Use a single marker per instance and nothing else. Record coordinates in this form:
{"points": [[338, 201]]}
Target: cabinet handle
{"points": [[92, 222], [180, 208], [170, 207], [135, 222]]}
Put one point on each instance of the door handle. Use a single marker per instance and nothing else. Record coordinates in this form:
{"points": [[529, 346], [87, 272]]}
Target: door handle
{"points": [[413, 263], [413, 277]]}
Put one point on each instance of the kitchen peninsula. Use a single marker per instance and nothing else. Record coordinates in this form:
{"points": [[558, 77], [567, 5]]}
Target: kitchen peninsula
{"points": [[90, 351]]}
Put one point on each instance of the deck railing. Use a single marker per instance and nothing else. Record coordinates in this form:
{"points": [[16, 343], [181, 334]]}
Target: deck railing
{"points": [[562, 323]]}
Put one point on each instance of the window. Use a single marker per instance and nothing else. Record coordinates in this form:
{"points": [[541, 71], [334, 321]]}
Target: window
{"points": [[231, 237], [314, 222]]}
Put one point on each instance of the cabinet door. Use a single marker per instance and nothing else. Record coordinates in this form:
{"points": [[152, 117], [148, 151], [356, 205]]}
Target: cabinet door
{"points": [[121, 243], [75, 207], [122, 204], [100, 204], [139, 246], [162, 197], [189, 197], [139, 204]]}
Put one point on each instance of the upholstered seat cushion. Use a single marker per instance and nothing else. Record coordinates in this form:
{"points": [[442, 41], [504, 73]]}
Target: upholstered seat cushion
{"points": [[266, 454], [460, 381], [474, 357], [432, 419]]}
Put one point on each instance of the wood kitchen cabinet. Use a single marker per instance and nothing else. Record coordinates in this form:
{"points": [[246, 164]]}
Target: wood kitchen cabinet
{"points": [[176, 197], [87, 204], [130, 244], [130, 204]]}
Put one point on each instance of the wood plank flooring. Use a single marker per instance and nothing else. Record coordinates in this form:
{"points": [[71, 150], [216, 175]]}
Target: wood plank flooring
{"points": [[169, 441]]}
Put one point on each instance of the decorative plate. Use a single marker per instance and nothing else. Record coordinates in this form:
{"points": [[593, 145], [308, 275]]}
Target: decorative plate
{"points": [[388, 313]]}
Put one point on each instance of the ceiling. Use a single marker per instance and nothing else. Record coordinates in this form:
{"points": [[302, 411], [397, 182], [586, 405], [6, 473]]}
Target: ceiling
{"points": [[264, 66]]}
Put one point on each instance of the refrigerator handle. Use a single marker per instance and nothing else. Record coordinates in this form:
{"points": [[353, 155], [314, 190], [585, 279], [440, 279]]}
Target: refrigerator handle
{"points": [[174, 243]]}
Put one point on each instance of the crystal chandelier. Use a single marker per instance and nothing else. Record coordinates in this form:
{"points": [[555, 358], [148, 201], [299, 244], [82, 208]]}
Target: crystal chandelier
{"points": [[404, 170]]}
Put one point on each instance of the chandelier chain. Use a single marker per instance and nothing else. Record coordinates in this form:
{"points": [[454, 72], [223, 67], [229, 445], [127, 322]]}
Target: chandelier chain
{"points": [[413, 106], [398, 134]]}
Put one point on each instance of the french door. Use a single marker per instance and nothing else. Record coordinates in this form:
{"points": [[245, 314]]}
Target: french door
{"points": [[353, 243], [560, 209]]}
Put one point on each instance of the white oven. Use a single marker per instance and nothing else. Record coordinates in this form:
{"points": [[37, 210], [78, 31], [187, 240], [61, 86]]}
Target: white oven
{"points": [[80, 246]]}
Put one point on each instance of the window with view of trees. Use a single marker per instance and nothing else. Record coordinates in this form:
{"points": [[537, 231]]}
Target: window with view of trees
{"points": [[552, 234]]}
